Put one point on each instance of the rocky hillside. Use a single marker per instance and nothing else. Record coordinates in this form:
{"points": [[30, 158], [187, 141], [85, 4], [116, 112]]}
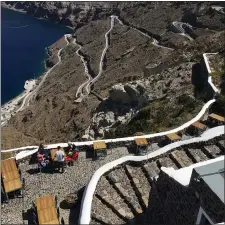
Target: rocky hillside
{"points": [[54, 116]]}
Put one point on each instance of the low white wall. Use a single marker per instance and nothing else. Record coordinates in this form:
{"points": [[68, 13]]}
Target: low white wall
{"points": [[209, 71], [85, 210], [196, 118], [183, 175]]}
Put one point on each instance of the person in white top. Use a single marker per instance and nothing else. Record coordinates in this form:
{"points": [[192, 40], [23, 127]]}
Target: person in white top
{"points": [[60, 157]]}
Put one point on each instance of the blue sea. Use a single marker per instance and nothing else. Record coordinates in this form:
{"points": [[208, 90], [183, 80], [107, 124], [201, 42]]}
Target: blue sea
{"points": [[23, 52]]}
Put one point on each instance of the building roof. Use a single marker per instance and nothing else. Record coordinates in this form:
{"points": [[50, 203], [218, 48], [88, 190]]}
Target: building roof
{"points": [[213, 175]]}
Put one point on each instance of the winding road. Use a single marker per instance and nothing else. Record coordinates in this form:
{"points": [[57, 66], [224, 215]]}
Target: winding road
{"points": [[180, 29], [33, 93], [87, 84], [79, 90]]}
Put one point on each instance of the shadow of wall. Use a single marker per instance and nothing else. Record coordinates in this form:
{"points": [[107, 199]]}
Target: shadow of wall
{"points": [[171, 203], [199, 79]]}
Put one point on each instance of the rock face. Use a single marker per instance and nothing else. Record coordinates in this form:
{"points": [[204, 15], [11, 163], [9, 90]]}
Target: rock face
{"points": [[118, 94], [67, 13], [125, 94]]}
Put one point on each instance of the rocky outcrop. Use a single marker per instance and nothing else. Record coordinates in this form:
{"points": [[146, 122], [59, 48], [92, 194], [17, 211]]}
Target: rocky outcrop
{"points": [[118, 94], [125, 94], [72, 14]]}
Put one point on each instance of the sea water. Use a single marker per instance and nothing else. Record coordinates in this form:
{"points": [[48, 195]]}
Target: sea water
{"points": [[23, 49]]}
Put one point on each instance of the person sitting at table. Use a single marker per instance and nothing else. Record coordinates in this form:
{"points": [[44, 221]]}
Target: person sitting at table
{"points": [[72, 150], [68, 148], [40, 157], [60, 158], [44, 151]]}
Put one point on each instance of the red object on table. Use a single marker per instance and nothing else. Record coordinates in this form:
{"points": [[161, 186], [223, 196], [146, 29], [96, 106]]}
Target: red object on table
{"points": [[73, 157]]}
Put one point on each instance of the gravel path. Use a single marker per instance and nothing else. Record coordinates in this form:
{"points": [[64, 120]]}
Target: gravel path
{"points": [[73, 179]]}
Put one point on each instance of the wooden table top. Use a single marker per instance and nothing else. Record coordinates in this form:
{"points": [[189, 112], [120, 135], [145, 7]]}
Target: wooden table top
{"points": [[217, 117], [10, 175], [173, 137], [99, 145], [47, 216], [141, 141], [45, 202], [198, 125], [53, 151], [8, 165], [12, 185]]}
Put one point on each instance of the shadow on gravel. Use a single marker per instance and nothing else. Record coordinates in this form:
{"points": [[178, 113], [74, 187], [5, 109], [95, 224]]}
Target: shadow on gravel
{"points": [[33, 159], [75, 207], [33, 171], [74, 214]]}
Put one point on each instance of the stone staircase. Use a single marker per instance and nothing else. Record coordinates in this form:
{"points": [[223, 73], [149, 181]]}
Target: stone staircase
{"points": [[122, 194]]}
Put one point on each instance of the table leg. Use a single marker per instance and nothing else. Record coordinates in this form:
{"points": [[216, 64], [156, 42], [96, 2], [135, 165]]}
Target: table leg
{"points": [[6, 197]]}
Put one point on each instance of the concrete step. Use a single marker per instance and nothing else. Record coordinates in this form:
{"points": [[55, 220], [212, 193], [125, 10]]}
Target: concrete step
{"points": [[110, 197], [96, 221], [180, 158], [196, 155], [140, 183], [151, 169], [166, 162], [221, 145], [212, 151], [122, 184], [104, 214]]}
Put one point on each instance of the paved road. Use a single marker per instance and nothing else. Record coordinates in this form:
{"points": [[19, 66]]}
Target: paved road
{"points": [[181, 30], [86, 86], [29, 96]]}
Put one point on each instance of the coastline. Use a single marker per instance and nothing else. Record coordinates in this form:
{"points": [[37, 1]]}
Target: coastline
{"points": [[14, 105], [39, 18], [10, 108]]}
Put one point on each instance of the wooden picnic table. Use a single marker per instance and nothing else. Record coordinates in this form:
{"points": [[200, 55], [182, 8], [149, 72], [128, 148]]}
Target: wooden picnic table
{"points": [[10, 175], [8, 165], [99, 145], [46, 210], [141, 141], [217, 117], [44, 202], [99, 148], [53, 151], [173, 137], [198, 125]]}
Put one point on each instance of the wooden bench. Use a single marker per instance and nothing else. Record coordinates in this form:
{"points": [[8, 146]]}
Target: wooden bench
{"points": [[46, 210], [10, 176], [99, 148], [142, 145], [198, 125], [217, 117], [173, 137]]}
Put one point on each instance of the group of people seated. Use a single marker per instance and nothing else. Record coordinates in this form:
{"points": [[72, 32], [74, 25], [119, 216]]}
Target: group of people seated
{"points": [[60, 158]]}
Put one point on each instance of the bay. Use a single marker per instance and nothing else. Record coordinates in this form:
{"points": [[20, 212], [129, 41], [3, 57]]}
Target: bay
{"points": [[23, 49]]}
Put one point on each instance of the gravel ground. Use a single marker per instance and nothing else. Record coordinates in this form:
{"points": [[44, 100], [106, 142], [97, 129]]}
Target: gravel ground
{"points": [[73, 179]]}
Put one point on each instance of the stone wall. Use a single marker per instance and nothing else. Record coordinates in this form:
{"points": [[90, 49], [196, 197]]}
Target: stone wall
{"points": [[211, 204], [148, 71], [170, 203]]}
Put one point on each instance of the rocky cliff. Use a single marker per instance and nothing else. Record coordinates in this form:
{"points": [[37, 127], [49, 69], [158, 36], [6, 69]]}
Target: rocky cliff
{"points": [[142, 41]]}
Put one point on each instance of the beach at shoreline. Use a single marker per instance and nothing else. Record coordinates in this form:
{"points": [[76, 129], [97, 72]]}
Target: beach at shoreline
{"points": [[11, 107]]}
